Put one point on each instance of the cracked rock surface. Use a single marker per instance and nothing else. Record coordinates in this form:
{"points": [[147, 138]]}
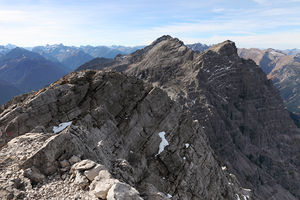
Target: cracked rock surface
{"points": [[241, 112], [109, 150]]}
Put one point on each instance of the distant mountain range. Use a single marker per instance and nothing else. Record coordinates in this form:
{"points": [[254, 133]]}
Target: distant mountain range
{"points": [[198, 47], [72, 57], [291, 51], [22, 71]]}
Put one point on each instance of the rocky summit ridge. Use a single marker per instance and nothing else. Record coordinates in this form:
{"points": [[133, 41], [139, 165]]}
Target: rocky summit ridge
{"points": [[239, 109], [104, 135]]}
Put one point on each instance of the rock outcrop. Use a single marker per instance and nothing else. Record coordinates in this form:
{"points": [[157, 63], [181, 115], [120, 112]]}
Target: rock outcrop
{"points": [[107, 144], [239, 109]]}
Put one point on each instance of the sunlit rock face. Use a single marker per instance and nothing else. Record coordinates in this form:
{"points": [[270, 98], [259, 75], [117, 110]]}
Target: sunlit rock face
{"points": [[241, 112]]}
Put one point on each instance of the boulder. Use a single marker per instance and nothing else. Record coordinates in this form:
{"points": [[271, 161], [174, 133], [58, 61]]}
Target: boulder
{"points": [[100, 188], [74, 159], [34, 175], [93, 172], [122, 191]]}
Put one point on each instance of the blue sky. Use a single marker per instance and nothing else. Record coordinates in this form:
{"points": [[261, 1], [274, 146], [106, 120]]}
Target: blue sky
{"points": [[249, 23]]}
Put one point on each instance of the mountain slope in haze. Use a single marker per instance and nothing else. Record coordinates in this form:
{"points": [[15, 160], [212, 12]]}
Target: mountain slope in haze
{"points": [[7, 91], [108, 52], [70, 57], [198, 47], [239, 108], [283, 70], [28, 70], [291, 51], [73, 57], [119, 138], [266, 59], [5, 49]]}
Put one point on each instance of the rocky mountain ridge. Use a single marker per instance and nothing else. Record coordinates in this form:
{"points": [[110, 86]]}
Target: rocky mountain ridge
{"points": [[118, 138], [240, 110]]}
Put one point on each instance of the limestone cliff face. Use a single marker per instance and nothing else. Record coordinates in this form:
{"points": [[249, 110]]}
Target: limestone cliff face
{"points": [[239, 109], [119, 138]]}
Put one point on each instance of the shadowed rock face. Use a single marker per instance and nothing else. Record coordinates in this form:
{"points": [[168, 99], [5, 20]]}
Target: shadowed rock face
{"points": [[239, 109], [116, 121], [283, 70]]}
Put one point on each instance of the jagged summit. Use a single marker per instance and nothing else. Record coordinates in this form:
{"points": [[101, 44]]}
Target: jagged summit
{"points": [[225, 48], [166, 38], [242, 113]]}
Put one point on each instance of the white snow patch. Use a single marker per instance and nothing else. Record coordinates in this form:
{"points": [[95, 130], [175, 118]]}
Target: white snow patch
{"points": [[237, 197], [60, 127], [187, 145], [163, 142], [224, 168], [276, 53], [169, 196], [246, 197], [184, 158]]}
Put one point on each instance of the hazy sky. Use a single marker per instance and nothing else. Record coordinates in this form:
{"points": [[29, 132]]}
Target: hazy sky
{"points": [[249, 23]]}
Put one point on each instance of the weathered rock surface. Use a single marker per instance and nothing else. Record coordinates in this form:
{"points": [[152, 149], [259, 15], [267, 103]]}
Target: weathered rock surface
{"points": [[115, 124], [239, 109], [122, 191]]}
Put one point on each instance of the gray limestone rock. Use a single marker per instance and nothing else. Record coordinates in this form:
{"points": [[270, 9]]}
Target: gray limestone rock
{"points": [[74, 159], [116, 121], [84, 165], [241, 112], [34, 175], [122, 191], [100, 188], [93, 172]]}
